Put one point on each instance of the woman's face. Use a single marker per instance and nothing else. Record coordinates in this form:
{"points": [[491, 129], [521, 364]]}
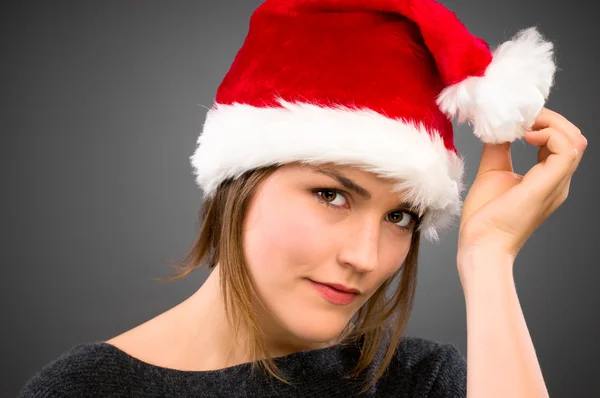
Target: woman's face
{"points": [[304, 225]]}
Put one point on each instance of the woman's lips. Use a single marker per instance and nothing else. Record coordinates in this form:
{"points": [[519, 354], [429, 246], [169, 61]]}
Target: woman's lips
{"points": [[333, 295]]}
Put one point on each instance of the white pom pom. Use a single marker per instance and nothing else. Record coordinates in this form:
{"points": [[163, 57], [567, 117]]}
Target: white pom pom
{"points": [[502, 105]]}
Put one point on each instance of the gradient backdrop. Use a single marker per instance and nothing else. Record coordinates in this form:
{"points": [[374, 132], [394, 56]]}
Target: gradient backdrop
{"points": [[101, 106]]}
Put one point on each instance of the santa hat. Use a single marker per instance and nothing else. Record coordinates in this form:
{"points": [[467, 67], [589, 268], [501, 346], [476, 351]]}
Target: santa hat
{"points": [[372, 83]]}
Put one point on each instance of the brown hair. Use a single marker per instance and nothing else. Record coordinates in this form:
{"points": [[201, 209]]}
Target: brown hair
{"points": [[220, 241]]}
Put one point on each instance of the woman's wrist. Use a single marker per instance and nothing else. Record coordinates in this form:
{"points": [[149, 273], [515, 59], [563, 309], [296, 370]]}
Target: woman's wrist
{"points": [[478, 264]]}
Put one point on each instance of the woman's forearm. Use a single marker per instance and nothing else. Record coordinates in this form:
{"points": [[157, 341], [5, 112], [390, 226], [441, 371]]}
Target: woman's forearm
{"points": [[501, 359]]}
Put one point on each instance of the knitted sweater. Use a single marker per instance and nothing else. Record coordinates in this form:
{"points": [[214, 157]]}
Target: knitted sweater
{"points": [[420, 368]]}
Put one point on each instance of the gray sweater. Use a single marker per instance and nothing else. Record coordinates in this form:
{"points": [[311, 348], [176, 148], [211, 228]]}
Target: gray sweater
{"points": [[420, 368]]}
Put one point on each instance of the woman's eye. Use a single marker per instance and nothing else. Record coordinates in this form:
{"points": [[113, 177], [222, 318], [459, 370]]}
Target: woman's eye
{"points": [[330, 196], [401, 218]]}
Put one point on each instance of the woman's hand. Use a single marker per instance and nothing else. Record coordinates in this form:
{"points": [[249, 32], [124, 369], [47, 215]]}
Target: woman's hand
{"points": [[502, 208], [499, 214]]}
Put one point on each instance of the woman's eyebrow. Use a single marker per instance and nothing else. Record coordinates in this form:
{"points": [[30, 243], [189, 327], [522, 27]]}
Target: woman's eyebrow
{"points": [[351, 185], [346, 182]]}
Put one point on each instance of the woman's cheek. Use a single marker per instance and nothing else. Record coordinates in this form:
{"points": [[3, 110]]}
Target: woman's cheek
{"points": [[283, 238], [301, 240]]}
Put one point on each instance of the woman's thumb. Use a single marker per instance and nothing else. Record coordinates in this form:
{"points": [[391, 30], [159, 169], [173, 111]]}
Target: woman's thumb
{"points": [[495, 157]]}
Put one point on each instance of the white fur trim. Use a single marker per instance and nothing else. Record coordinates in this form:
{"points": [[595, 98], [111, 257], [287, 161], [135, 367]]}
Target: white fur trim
{"points": [[503, 104], [237, 138]]}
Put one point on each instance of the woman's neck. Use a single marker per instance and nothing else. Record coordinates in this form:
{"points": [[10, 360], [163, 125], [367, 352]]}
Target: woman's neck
{"points": [[205, 331], [195, 335]]}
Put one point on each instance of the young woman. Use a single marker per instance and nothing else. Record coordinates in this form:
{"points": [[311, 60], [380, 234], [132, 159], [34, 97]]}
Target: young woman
{"points": [[327, 155]]}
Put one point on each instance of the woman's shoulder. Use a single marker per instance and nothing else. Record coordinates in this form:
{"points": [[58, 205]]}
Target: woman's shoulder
{"points": [[415, 349], [85, 369], [434, 368]]}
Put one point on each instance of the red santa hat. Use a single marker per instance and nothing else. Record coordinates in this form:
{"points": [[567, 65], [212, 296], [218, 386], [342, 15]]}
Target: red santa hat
{"points": [[371, 83]]}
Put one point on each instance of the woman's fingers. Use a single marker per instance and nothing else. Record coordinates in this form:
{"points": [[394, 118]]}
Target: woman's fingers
{"points": [[547, 147], [547, 176], [554, 156], [550, 119]]}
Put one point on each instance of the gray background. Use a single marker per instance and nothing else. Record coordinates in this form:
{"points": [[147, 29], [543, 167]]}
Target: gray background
{"points": [[101, 106]]}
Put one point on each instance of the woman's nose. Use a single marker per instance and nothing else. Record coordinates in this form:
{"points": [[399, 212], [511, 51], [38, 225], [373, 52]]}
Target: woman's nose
{"points": [[360, 247]]}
